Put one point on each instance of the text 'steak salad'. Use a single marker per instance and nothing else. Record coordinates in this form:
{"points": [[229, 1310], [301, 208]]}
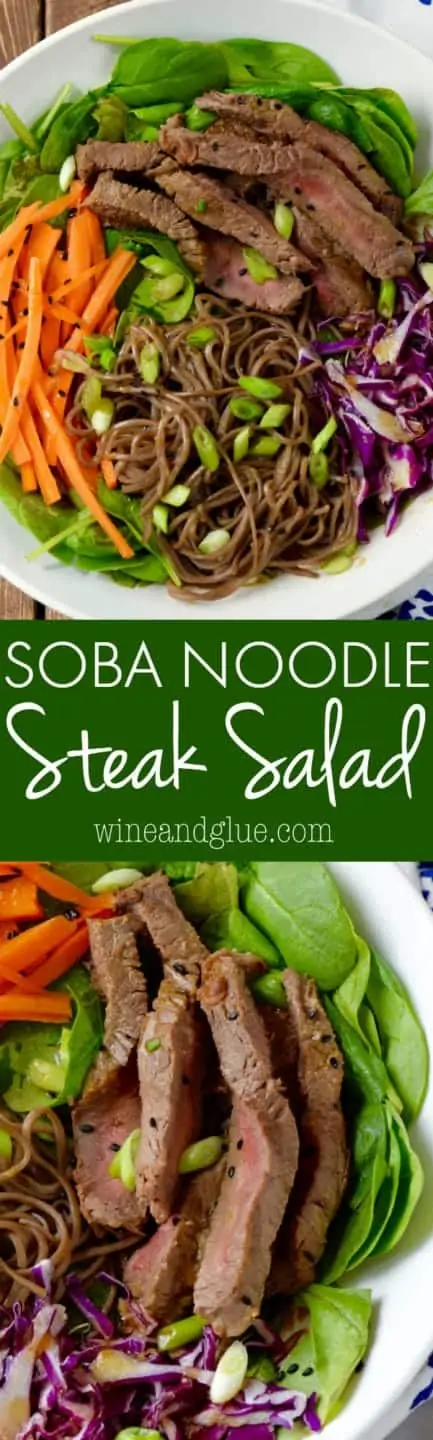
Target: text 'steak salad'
{"points": [[216, 330], [208, 1082]]}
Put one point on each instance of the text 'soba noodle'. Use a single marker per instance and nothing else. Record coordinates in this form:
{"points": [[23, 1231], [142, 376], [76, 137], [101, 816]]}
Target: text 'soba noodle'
{"points": [[276, 518], [40, 1216]]}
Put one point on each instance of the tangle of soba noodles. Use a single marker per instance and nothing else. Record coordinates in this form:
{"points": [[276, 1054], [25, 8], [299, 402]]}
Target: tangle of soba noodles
{"points": [[276, 518], [40, 1216]]}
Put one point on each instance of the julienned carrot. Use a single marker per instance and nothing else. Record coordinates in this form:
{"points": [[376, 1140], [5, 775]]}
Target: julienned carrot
{"points": [[46, 480], [97, 240], [29, 948], [52, 1006], [68, 460], [62, 312], [27, 362], [79, 258], [36, 213], [42, 243], [109, 324], [61, 960], [109, 473], [28, 477], [57, 887], [7, 869], [118, 267], [19, 900], [70, 287]]}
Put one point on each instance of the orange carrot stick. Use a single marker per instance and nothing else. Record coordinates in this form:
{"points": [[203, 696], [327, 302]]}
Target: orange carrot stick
{"points": [[46, 480], [27, 362], [28, 477], [52, 1006], [109, 324], [61, 960], [80, 257], [57, 886], [109, 473], [97, 240], [71, 286], [74, 473], [29, 948], [19, 900], [42, 243]]}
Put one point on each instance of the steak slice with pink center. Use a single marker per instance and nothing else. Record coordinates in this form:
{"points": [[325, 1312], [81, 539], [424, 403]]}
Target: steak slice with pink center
{"points": [[262, 1158], [102, 1120], [226, 274], [170, 1072], [161, 1274]]}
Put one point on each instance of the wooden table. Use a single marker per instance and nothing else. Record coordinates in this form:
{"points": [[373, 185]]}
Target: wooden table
{"points": [[22, 23]]}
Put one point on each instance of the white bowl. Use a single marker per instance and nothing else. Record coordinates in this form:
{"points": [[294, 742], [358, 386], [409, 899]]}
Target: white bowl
{"points": [[393, 918], [363, 55]]}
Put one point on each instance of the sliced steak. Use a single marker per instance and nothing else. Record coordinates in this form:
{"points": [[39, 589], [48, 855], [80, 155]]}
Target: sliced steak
{"points": [[323, 1167], [226, 274], [153, 906], [117, 974], [102, 1120], [340, 283], [272, 117], [125, 207], [122, 157], [170, 1088], [203, 196], [161, 1274], [262, 1158], [311, 180]]}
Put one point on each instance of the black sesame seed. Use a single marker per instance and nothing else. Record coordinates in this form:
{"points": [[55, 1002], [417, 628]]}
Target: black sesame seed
{"points": [[71, 913], [311, 205], [86, 1129], [312, 1014], [153, 1123], [24, 312], [245, 1300], [186, 1080], [21, 345], [215, 145], [175, 1219], [334, 1062], [11, 251], [297, 189], [50, 299], [325, 1039], [115, 1147], [309, 1370], [16, 400], [292, 1369], [231, 1172], [243, 270], [240, 1145], [62, 393], [179, 969], [277, 105], [232, 1014]]}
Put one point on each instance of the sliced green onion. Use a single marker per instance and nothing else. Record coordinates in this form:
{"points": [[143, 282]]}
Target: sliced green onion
{"points": [[230, 1374], [241, 443], [123, 1166], [267, 445], [158, 114], [116, 880], [198, 119], [5, 1145], [160, 518], [284, 220], [426, 272], [201, 337], [178, 495], [269, 990], [46, 1075], [259, 387], [72, 528], [321, 440], [152, 1045], [206, 447], [245, 409], [136, 1432], [102, 417], [201, 1155], [180, 1333], [318, 469], [339, 563], [158, 265], [258, 267], [387, 298], [47, 120], [168, 287], [150, 363], [67, 173], [274, 417], [201, 207], [215, 540], [18, 126], [91, 395]]}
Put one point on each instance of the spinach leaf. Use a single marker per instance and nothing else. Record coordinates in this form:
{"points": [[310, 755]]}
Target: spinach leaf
{"points": [[298, 905], [50, 1062], [273, 62], [44, 521], [386, 1198], [410, 1187], [153, 71], [339, 1322], [352, 1230], [349, 996], [213, 890], [420, 202], [111, 116], [363, 1067], [404, 1044], [232, 930], [71, 127], [122, 507]]}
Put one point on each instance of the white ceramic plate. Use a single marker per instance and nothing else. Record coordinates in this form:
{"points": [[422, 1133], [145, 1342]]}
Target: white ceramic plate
{"points": [[394, 918], [363, 55]]}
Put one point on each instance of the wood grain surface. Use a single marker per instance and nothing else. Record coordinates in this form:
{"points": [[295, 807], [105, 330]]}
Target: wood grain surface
{"points": [[22, 23]]}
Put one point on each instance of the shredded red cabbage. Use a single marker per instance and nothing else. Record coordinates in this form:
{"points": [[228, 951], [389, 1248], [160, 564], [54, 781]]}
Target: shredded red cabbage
{"points": [[378, 382], [60, 1385]]}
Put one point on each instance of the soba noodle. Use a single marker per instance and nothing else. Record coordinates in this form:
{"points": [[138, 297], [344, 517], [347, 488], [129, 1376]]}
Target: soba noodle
{"points": [[40, 1217], [276, 519]]}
